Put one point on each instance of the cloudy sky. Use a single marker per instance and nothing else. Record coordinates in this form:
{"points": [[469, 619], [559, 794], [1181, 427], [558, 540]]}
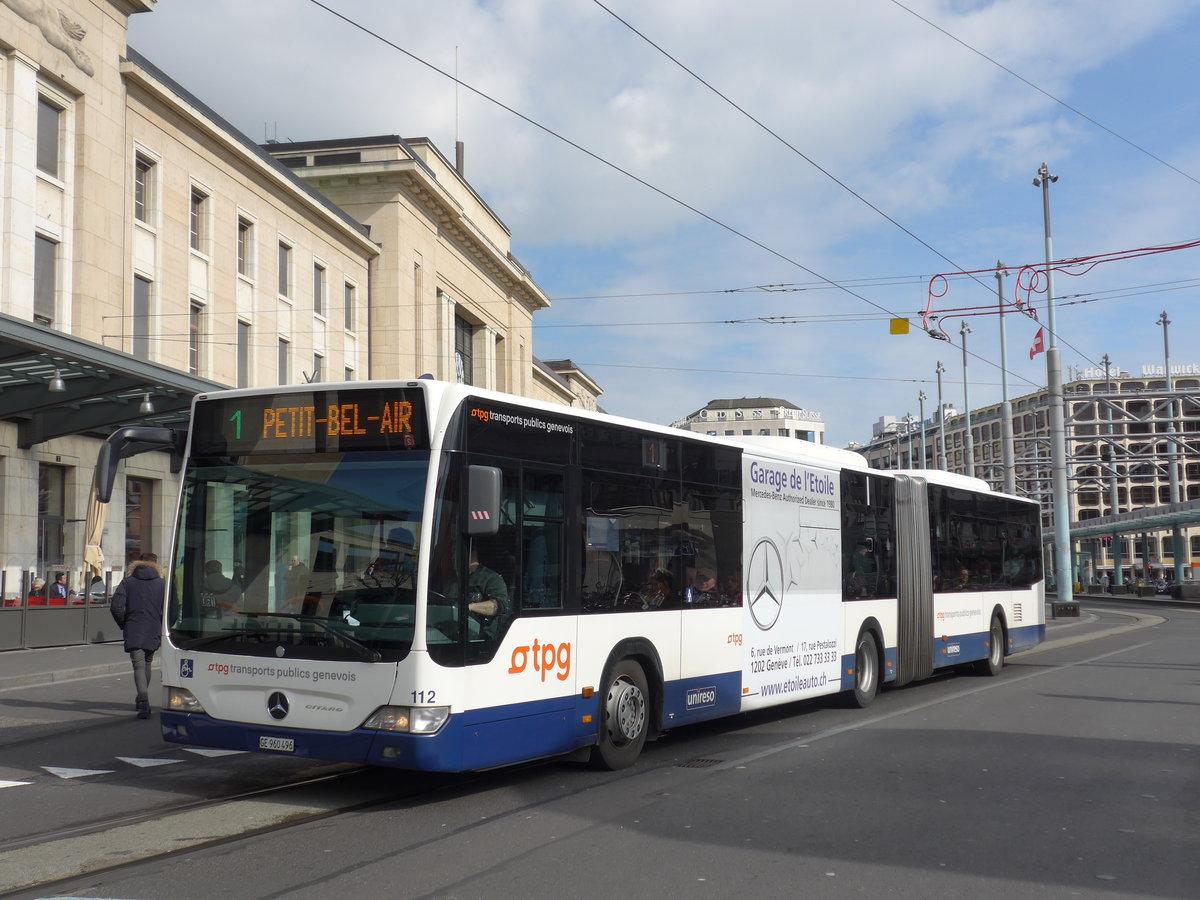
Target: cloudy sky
{"points": [[776, 178]]}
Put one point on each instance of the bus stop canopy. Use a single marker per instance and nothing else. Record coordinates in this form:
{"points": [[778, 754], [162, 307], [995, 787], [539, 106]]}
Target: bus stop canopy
{"points": [[54, 384]]}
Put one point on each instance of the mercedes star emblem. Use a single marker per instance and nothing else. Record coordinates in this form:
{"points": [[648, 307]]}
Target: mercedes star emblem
{"points": [[765, 583], [277, 705]]}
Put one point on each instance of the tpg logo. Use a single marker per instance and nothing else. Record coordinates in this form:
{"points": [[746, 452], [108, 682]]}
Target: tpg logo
{"points": [[699, 698]]}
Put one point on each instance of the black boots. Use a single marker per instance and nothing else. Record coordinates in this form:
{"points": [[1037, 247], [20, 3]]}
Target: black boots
{"points": [[143, 709]]}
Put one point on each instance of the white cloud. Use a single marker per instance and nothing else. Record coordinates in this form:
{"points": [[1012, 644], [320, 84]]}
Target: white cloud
{"points": [[940, 139]]}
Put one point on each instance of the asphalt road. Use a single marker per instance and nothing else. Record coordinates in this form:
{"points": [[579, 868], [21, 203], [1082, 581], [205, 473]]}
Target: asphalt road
{"points": [[1076, 772]]}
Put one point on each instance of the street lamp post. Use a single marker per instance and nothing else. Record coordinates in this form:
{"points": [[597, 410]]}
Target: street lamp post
{"points": [[921, 401], [941, 420], [1172, 452], [969, 443], [1006, 420], [1064, 585], [908, 420]]}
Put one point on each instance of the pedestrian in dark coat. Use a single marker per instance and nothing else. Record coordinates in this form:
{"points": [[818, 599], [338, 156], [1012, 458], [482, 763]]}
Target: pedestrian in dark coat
{"points": [[137, 606]]}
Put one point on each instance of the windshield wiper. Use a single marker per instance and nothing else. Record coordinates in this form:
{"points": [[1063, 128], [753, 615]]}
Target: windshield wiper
{"points": [[217, 638], [370, 654]]}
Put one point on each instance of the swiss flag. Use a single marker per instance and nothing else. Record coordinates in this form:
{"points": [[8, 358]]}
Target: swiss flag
{"points": [[1039, 343]]}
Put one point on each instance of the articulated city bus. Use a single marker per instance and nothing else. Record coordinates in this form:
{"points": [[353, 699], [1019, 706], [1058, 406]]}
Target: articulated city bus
{"points": [[436, 577]]}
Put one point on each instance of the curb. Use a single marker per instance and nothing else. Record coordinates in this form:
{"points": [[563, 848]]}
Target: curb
{"points": [[36, 679]]}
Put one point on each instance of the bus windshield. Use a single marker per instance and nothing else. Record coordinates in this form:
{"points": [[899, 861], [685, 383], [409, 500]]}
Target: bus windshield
{"points": [[312, 556]]}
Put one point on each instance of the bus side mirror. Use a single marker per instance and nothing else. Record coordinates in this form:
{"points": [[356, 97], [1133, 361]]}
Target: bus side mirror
{"points": [[483, 500]]}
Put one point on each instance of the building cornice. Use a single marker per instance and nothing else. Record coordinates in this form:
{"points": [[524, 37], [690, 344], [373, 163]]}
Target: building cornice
{"points": [[248, 154], [412, 176]]}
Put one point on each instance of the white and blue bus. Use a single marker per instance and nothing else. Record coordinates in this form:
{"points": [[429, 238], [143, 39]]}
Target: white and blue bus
{"points": [[436, 577]]}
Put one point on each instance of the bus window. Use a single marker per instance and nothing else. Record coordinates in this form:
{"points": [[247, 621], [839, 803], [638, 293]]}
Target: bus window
{"points": [[635, 527], [868, 557]]}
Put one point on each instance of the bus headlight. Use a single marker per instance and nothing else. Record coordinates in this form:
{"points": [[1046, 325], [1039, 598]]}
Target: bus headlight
{"points": [[409, 719], [182, 700]]}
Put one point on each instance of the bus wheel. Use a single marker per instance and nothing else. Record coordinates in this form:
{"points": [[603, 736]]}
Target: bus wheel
{"points": [[626, 717], [994, 661], [866, 670]]}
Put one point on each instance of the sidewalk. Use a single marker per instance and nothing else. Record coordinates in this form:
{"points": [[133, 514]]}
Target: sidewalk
{"points": [[23, 668]]}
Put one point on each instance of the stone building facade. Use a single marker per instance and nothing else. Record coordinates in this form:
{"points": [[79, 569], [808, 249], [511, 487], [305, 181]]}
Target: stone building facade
{"points": [[150, 251]]}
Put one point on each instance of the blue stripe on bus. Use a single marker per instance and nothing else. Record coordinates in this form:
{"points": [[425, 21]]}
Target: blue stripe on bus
{"points": [[967, 647], [699, 699], [477, 739]]}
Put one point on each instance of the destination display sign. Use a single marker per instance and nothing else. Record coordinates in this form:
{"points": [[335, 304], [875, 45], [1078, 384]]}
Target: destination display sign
{"points": [[356, 419]]}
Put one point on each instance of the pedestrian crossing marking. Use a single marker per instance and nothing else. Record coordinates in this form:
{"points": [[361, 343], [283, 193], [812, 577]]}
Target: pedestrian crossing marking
{"points": [[4, 784], [75, 773], [147, 763], [202, 751]]}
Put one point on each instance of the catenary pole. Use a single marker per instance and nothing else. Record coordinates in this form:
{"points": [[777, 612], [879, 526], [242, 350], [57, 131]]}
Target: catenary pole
{"points": [[1172, 451], [941, 420], [1006, 419], [969, 443], [1064, 584]]}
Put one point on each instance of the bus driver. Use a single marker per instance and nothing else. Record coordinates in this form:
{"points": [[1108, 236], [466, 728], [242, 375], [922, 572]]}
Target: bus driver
{"points": [[487, 595]]}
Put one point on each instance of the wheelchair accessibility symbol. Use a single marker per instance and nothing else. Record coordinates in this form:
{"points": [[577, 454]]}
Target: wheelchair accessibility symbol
{"points": [[185, 668]]}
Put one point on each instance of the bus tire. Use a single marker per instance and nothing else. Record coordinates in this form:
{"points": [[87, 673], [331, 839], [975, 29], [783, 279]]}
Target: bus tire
{"points": [[994, 661], [625, 717], [866, 670]]}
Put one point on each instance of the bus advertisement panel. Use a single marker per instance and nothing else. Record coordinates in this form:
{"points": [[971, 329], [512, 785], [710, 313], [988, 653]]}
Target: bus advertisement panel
{"points": [[792, 622]]}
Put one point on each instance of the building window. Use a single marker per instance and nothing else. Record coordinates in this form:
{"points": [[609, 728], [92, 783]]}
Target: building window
{"points": [[337, 159], [141, 317], [49, 117], [283, 361], [245, 246], [45, 279], [464, 363], [197, 211], [143, 189], [318, 290], [285, 270], [349, 374], [195, 330], [243, 354], [348, 301], [52, 517], [139, 518]]}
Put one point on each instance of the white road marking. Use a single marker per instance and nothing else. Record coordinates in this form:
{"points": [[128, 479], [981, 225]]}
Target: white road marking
{"points": [[147, 763], [75, 773], [201, 751]]}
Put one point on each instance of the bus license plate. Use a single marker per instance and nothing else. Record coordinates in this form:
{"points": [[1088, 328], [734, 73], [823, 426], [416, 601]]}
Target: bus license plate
{"points": [[282, 745]]}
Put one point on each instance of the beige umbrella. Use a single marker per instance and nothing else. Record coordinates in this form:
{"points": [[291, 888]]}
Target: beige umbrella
{"points": [[93, 556]]}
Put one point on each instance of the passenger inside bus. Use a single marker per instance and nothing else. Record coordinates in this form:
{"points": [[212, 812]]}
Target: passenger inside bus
{"points": [[659, 592], [396, 563], [221, 593]]}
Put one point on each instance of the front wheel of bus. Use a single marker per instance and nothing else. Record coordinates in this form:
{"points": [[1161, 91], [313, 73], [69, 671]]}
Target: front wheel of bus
{"points": [[994, 661], [626, 717], [866, 670]]}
